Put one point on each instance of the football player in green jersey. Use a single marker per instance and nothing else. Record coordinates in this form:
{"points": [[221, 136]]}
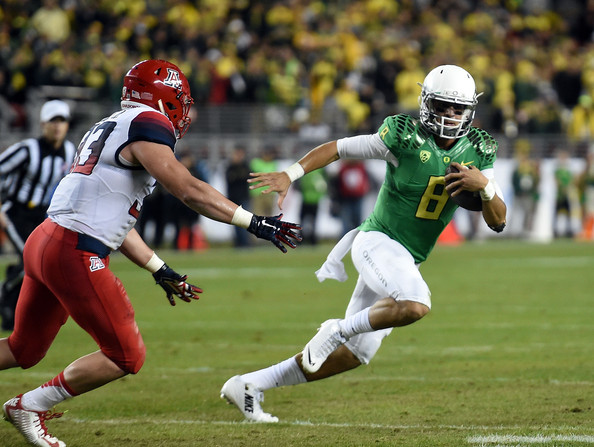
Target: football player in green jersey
{"points": [[412, 209]]}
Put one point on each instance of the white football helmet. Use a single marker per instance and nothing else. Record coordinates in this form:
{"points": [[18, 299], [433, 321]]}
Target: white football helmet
{"points": [[445, 87]]}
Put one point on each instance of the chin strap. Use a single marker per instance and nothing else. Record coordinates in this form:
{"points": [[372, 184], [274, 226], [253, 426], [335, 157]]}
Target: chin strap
{"points": [[161, 108]]}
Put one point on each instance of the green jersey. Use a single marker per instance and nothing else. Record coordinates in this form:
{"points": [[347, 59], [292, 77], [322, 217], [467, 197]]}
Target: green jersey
{"points": [[413, 206]]}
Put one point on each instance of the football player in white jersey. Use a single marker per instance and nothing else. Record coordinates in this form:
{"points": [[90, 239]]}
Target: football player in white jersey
{"points": [[93, 212]]}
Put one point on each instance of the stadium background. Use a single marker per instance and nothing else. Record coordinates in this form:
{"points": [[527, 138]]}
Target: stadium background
{"points": [[278, 72]]}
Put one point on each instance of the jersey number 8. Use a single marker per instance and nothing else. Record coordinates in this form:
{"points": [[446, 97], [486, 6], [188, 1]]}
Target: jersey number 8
{"points": [[433, 200]]}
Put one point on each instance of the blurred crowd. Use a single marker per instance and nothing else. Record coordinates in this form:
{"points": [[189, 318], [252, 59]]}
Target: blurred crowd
{"points": [[534, 59], [572, 204]]}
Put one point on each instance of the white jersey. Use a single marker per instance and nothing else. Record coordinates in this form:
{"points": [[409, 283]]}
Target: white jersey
{"points": [[103, 193]]}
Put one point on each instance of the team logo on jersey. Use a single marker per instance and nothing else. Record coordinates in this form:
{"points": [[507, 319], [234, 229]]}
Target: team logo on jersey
{"points": [[96, 263], [172, 79], [424, 156]]}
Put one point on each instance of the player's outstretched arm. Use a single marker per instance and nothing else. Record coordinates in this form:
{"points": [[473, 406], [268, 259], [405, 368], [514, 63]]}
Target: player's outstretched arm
{"points": [[279, 182], [160, 162]]}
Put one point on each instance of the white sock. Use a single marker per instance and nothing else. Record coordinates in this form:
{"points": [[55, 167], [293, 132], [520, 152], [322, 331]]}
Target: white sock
{"points": [[356, 324], [47, 395], [284, 373]]}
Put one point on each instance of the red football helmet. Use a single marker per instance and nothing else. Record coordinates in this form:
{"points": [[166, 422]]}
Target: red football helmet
{"points": [[162, 86]]}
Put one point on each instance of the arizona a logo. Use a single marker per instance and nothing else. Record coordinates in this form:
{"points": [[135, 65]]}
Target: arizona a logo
{"points": [[424, 156], [96, 263], [172, 79]]}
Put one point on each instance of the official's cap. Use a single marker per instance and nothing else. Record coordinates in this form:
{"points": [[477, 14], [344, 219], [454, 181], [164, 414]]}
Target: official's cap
{"points": [[53, 109]]}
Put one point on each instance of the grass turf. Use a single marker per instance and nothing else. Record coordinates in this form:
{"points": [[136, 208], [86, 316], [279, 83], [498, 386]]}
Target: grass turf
{"points": [[505, 358]]}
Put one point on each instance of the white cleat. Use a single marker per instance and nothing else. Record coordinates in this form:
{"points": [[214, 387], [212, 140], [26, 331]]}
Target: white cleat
{"points": [[322, 344], [31, 424], [246, 397]]}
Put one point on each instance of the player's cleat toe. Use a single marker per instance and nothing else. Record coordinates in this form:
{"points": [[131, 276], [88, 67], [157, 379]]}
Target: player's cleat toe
{"points": [[31, 424], [322, 344], [246, 397]]}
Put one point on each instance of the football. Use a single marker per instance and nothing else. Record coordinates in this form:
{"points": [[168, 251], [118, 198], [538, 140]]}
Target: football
{"points": [[466, 199]]}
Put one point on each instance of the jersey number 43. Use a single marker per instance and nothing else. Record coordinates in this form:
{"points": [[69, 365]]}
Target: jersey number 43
{"points": [[91, 146]]}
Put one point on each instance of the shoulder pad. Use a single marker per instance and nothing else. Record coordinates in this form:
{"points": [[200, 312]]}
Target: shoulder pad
{"points": [[484, 144], [151, 125], [402, 131]]}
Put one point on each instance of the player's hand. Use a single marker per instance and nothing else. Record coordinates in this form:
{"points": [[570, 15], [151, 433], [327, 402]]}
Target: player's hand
{"points": [[272, 182], [273, 229], [468, 178], [175, 284]]}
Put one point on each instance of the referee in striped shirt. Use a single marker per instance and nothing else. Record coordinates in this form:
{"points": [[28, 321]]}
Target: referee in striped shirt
{"points": [[29, 171]]}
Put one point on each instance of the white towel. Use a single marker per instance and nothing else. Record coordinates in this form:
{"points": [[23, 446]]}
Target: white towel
{"points": [[333, 267]]}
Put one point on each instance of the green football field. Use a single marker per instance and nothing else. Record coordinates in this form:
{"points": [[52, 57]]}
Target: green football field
{"points": [[505, 358]]}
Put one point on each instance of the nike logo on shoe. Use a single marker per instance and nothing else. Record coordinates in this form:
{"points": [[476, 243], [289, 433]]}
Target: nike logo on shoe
{"points": [[248, 403]]}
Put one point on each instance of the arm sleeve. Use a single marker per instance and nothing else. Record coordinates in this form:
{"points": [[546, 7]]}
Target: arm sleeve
{"points": [[365, 147]]}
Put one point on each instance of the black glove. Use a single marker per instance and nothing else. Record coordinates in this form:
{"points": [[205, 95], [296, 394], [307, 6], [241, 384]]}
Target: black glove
{"points": [[273, 229], [175, 284]]}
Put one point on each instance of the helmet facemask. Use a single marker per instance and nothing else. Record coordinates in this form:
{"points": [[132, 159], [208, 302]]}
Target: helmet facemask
{"points": [[444, 123], [170, 110]]}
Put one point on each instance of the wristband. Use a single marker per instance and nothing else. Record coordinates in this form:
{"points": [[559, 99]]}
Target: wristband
{"points": [[295, 171], [242, 218], [488, 192], [154, 264]]}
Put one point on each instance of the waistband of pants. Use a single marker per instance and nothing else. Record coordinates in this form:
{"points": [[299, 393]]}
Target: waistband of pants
{"points": [[88, 243], [83, 241]]}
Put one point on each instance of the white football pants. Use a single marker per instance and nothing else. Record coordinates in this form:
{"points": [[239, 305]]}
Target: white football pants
{"points": [[386, 269]]}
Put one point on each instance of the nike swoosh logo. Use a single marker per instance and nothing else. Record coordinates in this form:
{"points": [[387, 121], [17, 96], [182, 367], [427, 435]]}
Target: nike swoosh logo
{"points": [[467, 163], [309, 359]]}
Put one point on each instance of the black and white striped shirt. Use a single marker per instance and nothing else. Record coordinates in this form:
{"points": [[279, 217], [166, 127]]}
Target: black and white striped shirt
{"points": [[30, 171]]}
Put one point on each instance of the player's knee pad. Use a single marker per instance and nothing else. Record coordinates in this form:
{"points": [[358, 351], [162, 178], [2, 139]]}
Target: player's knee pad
{"points": [[134, 366], [26, 354], [364, 346], [131, 359]]}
